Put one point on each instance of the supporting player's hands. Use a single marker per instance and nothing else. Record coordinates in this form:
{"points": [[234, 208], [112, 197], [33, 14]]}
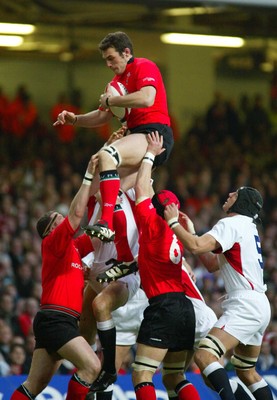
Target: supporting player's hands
{"points": [[171, 212], [155, 143], [93, 164], [117, 135], [186, 222], [65, 118]]}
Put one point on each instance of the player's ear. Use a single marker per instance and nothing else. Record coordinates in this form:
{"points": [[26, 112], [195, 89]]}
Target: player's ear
{"points": [[127, 51]]}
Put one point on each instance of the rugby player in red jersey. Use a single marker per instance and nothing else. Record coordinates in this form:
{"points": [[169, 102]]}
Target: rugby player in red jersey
{"points": [[167, 331], [56, 324], [149, 112]]}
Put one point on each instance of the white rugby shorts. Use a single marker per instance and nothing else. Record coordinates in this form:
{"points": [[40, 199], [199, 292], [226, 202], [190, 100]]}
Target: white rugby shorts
{"points": [[246, 315], [128, 318], [205, 319]]}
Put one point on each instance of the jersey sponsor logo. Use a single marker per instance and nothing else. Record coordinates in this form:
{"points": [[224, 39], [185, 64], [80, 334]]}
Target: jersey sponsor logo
{"points": [[148, 79], [108, 205], [77, 265]]}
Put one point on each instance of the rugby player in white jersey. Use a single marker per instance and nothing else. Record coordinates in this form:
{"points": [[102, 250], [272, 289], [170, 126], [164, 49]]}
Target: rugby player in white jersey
{"points": [[105, 303], [233, 247]]}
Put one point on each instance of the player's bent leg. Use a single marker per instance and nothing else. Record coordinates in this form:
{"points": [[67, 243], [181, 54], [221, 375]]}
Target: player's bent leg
{"points": [[121, 353], [43, 367], [127, 151], [244, 361], [147, 361], [131, 149], [87, 325], [112, 296], [144, 369], [80, 353], [174, 380], [211, 349]]}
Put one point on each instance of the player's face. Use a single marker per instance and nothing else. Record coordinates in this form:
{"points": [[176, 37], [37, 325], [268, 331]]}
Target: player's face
{"points": [[56, 219], [230, 201], [115, 61]]}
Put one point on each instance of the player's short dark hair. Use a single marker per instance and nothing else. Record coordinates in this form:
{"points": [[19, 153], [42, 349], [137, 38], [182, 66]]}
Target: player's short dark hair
{"points": [[119, 40], [249, 203], [43, 223]]}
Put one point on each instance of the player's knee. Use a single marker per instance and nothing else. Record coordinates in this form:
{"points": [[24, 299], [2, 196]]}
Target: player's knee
{"points": [[91, 369], [142, 363], [112, 153], [243, 363], [100, 305], [170, 381], [170, 369], [209, 347]]}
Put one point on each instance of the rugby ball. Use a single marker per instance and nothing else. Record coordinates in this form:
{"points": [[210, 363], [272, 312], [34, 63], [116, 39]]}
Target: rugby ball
{"points": [[118, 89]]}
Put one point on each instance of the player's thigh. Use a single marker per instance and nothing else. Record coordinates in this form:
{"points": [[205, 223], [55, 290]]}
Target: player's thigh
{"points": [[131, 149], [226, 339], [154, 353], [87, 321], [128, 176], [43, 367], [80, 353]]}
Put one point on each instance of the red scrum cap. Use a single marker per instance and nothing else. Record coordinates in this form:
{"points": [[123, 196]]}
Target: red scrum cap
{"points": [[162, 199]]}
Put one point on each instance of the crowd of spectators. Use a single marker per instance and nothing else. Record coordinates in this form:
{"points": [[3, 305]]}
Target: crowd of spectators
{"points": [[234, 144]]}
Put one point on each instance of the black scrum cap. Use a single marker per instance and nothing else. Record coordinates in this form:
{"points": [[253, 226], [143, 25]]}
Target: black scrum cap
{"points": [[249, 203]]}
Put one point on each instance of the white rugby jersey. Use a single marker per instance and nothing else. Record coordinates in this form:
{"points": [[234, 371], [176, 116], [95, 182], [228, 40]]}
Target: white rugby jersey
{"points": [[104, 251], [241, 262]]}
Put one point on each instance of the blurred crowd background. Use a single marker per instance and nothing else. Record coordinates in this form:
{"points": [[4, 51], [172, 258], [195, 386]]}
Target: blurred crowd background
{"points": [[41, 168]]}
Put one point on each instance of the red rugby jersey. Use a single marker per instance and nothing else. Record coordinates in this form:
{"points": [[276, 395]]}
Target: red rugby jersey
{"points": [[62, 270], [190, 289], [142, 72], [160, 253]]}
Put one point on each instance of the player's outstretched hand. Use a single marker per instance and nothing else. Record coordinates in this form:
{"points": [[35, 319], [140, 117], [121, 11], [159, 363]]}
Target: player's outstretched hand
{"points": [[117, 135], [186, 222], [93, 164], [171, 212], [155, 143], [65, 118]]}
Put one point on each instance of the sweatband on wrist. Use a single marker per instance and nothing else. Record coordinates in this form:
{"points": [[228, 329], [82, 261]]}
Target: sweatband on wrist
{"points": [[87, 178], [148, 158], [75, 120], [173, 222], [88, 175]]}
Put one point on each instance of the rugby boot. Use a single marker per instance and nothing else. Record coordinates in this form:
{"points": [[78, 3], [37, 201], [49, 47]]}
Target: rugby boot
{"points": [[101, 231], [118, 270], [104, 380]]}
